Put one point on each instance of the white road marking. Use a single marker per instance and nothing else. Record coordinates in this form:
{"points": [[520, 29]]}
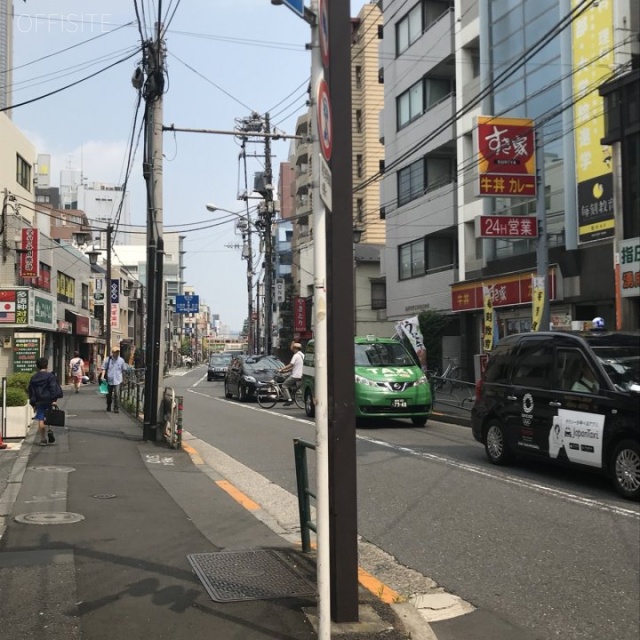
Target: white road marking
{"points": [[156, 459], [525, 484], [197, 382]]}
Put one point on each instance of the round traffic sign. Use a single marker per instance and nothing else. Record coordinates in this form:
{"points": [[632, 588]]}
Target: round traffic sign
{"points": [[325, 132], [323, 20]]}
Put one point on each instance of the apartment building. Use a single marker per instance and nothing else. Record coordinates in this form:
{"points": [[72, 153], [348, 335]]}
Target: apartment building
{"points": [[444, 64]]}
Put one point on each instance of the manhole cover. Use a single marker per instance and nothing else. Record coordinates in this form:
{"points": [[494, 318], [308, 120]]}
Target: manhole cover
{"points": [[44, 467], [64, 517], [250, 575], [104, 496]]}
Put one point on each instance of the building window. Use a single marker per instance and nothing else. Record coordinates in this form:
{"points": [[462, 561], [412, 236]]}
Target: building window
{"points": [[378, 294], [359, 169], [85, 296], [44, 198], [66, 288], [23, 172], [409, 29], [411, 260], [358, 77], [411, 182], [436, 90], [360, 209], [439, 254], [439, 172], [410, 104], [43, 281], [358, 120]]}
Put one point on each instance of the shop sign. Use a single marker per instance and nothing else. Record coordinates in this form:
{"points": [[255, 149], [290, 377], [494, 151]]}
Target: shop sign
{"points": [[64, 326], [43, 311], [14, 306], [506, 157], [299, 314], [506, 227], [115, 316], [505, 291], [25, 353], [82, 325], [629, 278], [29, 260]]}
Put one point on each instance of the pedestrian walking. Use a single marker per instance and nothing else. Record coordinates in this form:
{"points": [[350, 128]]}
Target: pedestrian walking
{"points": [[112, 371], [76, 370], [44, 390]]}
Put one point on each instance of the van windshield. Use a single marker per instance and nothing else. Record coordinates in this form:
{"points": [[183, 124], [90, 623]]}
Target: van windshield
{"points": [[622, 364], [383, 354]]}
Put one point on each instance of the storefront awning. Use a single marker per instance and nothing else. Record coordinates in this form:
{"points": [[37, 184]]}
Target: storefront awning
{"points": [[507, 290], [80, 323]]}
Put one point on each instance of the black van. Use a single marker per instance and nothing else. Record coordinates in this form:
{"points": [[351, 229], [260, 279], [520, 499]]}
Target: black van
{"points": [[571, 397]]}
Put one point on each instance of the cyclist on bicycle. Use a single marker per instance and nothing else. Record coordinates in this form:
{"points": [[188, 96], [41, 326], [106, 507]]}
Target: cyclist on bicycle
{"points": [[295, 366]]}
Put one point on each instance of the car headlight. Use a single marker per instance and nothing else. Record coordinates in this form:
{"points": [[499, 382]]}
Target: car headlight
{"points": [[361, 380], [420, 381], [248, 378]]}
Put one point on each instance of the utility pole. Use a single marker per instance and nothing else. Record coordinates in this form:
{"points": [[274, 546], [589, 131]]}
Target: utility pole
{"points": [[107, 307], [268, 239], [154, 356], [250, 323]]}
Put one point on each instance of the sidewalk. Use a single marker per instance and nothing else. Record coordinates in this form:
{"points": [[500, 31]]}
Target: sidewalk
{"points": [[96, 531]]}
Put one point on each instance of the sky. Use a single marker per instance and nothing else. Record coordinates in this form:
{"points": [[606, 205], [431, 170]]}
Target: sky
{"points": [[225, 59]]}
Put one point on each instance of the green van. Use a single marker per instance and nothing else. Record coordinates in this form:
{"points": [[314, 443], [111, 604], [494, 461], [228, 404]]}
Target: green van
{"points": [[389, 383]]}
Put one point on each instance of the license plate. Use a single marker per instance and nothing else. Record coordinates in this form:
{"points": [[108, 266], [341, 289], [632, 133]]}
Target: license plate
{"points": [[399, 402]]}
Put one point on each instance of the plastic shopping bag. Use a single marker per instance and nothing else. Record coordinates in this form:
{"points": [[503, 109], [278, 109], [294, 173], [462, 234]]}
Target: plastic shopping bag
{"points": [[104, 387]]}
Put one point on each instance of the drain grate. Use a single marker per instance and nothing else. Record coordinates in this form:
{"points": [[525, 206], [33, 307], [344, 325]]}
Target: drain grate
{"points": [[46, 517], [258, 574]]}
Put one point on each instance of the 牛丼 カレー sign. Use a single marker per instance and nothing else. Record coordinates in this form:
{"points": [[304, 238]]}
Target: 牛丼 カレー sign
{"points": [[506, 157]]}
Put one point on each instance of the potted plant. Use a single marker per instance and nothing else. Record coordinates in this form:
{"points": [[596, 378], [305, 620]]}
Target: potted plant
{"points": [[19, 413]]}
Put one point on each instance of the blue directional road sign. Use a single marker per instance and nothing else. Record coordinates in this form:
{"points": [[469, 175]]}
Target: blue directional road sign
{"points": [[297, 6], [187, 304]]}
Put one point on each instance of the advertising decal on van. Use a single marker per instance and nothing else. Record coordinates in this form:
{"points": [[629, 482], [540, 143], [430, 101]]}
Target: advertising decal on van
{"points": [[580, 434]]}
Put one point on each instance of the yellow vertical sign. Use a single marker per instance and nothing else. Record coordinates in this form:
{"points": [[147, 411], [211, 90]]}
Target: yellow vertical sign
{"points": [[489, 323], [537, 303], [593, 59]]}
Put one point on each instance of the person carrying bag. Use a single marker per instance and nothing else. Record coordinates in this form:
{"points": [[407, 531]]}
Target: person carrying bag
{"points": [[44, 390], [112, 371]]}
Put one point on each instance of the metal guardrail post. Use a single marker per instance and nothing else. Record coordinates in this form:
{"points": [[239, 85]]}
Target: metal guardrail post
{"points": [[180, 401], [300, 447]]}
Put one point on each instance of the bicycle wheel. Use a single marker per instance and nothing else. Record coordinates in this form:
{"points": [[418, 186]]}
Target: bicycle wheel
{"points": [[298, 397], [267, 396], [454, 379]]}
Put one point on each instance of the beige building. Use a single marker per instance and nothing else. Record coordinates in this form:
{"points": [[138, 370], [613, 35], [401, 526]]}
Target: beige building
{"points": [[368, 154]]}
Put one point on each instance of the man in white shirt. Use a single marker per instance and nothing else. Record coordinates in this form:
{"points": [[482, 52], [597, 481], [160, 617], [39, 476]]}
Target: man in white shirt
{"points": [[113, 368], [295, 366]]}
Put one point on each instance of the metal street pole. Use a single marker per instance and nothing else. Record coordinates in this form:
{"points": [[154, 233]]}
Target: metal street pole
{"points": [[343, 502], [542, 247], [153, 93], [268, 240], [320, 336]]}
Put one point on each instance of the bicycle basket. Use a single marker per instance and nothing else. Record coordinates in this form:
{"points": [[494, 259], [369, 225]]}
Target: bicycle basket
{"points": [[279, 378]]}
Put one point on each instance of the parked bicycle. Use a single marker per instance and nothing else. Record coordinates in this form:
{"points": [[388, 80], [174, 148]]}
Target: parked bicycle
{"points": [[451, 374], [268, 396]]}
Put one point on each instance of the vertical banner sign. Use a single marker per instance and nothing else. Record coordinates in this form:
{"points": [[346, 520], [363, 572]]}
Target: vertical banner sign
{"points": [[299, 314], [410, 329], [114, 306], [506, 157], [593, 60], [25, 353], [537, 302], [489, 320], [29, 257]]}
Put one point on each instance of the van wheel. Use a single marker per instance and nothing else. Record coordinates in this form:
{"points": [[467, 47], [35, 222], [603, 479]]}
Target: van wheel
{"points": [[309, 405], [496, 444], [227, 393], [419, 421], [625, 469]]}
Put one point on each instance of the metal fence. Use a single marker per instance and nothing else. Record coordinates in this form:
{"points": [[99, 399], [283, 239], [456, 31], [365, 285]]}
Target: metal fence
{"points": [[132, 390]]}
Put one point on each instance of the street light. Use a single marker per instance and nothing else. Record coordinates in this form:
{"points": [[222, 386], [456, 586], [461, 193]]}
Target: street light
{"points": [[248, 255]]}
